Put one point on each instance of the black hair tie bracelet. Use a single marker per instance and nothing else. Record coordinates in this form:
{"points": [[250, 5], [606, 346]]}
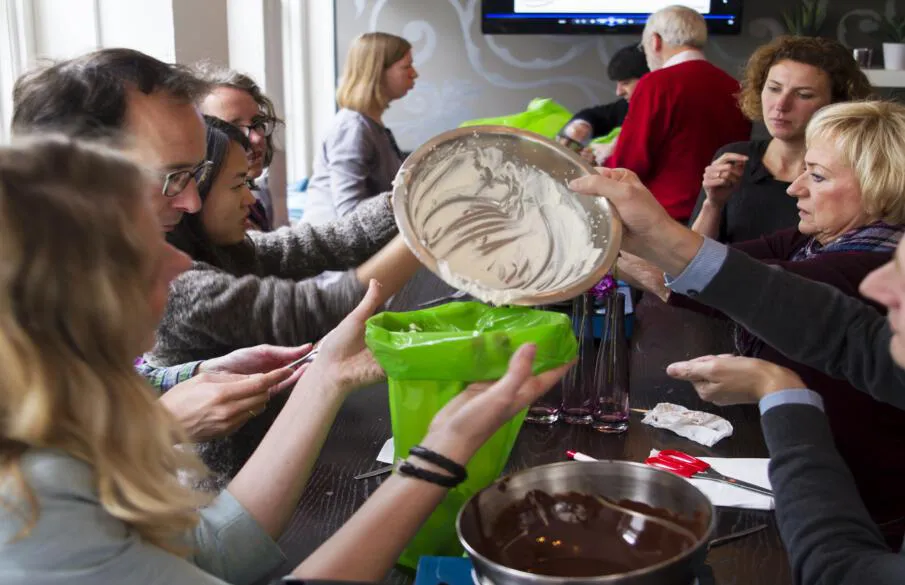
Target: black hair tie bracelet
{"points": [[406, 468], [445, 463]]}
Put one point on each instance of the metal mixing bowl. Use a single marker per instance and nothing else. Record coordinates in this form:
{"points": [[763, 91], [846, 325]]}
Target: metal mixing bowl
{"points": [[617, 480], [522, 148]]}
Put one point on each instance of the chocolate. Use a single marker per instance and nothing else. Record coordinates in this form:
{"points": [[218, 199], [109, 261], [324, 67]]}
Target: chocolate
{"points": [[575, 535]]}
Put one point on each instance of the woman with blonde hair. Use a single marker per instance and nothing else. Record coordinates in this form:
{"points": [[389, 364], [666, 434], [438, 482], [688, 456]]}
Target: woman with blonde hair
{"points": [[89, 459], [851, 215], [359, 156], [786, 81]]}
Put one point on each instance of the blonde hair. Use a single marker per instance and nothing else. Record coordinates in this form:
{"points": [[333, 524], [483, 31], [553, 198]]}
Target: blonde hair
{"points": [[678, 26], [361, 87], [868, 135], [73, 305]]}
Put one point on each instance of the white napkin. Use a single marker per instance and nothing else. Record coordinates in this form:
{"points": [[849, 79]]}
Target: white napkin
{"points": [[752, 470], [386, 452], [701, 427]]}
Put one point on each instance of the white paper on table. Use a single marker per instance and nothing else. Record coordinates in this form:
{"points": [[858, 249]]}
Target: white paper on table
{"points": [[752, 470], [386, 452]]}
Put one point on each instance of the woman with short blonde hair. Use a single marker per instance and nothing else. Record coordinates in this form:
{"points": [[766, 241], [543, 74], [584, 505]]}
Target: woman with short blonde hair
{"points": [[850, 200], [359, 157], [869, 138]]}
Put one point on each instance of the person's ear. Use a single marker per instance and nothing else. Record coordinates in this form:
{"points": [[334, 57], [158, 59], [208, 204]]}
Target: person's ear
{"points": [[657, 42]]}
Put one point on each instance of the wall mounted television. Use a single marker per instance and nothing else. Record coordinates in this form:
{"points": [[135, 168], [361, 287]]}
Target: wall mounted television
{"points": [[570, 17]]}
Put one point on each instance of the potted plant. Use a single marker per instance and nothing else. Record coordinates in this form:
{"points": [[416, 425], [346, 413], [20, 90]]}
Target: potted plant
{"points": [[894, 46], [806, 19]]}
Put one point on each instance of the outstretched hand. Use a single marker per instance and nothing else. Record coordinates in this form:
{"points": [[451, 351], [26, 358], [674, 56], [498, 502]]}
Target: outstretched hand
{"points": [[209, 406], [258, 360], [343, 358], [649, 232], [471, 418], [726, 379]]}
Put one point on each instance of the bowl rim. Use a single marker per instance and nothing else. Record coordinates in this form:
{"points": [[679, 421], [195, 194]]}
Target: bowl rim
{"points": [[403, 176], [553, 580]]}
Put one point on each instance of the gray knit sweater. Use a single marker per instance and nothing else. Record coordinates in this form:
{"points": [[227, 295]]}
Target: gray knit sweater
{"points": [[211, 312]]}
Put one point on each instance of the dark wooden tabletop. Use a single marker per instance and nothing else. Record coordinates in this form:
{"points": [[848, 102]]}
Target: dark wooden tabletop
{"points": [[661, 335]]}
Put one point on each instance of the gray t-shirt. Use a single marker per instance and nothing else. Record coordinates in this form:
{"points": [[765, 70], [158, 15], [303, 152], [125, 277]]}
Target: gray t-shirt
{"points": [[357, 160], [77, 542]]}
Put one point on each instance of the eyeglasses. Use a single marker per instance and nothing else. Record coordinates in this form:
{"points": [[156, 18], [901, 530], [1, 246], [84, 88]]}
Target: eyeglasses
{"points": [[174, 183], [263, 126]]}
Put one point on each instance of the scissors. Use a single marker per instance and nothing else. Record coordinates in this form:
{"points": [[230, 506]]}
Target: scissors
{"points": [[687, 466]]}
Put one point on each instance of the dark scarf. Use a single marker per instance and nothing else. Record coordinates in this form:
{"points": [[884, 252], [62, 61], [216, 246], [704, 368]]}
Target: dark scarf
{"points": [[876, 237]]}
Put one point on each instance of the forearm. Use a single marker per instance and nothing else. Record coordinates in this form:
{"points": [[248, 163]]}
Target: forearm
{"points": [[708, 221], [832, 332], [827, 530], [287, 454], [392, 267], [675, 248], [306, 250], [395, 511]]}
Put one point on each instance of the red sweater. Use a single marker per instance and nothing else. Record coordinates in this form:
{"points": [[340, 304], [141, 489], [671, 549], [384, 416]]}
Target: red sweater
{"points": [[677, 118]]}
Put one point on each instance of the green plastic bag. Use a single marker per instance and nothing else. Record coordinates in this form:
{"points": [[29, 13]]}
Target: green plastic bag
{"points": [[543, 116], [433, 354]]}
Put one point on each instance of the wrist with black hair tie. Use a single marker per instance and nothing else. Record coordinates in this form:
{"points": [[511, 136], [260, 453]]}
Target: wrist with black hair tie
{"points": [[457, 473]]}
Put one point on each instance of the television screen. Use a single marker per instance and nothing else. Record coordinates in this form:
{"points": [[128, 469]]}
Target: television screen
{"points": [[567, 17]]}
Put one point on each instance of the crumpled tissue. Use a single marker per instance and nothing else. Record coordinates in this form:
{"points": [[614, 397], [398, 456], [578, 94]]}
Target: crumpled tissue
{"points": [[702, 427]]}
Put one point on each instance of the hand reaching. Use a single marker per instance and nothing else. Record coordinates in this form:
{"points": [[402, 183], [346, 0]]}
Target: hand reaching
{"points": [[343, 358], [726, 379], [258, 360], [471, 418], [209, 406]]}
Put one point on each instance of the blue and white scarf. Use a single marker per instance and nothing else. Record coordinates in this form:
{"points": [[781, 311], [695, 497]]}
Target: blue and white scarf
{"points": [[876, 237]]}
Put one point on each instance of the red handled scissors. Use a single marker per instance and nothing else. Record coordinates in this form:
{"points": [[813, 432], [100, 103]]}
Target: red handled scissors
{"points": [[687, 466]]}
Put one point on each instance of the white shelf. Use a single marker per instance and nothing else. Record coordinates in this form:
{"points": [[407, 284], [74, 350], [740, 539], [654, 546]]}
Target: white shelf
{"points": [[885, 77]]}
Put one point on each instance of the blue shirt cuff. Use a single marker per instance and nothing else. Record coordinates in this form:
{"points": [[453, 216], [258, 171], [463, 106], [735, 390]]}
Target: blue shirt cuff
{"points": [[701, 270], [790, 396]]}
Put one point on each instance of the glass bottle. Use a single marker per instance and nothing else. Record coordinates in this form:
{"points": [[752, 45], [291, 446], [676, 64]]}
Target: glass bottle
{"points": [[611, 376], [579, 392]]}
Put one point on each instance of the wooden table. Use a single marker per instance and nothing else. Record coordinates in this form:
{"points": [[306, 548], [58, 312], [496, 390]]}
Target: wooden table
{"points": [[661, 335]]}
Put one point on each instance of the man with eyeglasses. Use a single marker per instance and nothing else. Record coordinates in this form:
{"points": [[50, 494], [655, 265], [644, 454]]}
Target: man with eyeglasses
{"points": [[680, 113], [236, 98], [148, 108]]}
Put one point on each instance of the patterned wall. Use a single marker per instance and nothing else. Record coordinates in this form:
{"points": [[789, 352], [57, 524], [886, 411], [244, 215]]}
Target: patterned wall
{"points": [[466, 75]]}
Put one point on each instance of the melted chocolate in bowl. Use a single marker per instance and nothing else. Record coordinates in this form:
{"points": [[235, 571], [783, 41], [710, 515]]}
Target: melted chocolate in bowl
{"points": [[574, 535]]}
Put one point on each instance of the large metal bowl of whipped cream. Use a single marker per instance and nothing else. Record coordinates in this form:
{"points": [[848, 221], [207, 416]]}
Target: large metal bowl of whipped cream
{"points": [[487, 209]]}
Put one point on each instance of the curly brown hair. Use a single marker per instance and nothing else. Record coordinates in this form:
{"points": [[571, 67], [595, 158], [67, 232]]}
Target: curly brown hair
{"points": [[847, 81]]}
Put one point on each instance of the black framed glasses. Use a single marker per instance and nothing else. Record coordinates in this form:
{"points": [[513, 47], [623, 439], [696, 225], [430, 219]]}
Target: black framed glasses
{"points": [[175, 182], [261, 125]]}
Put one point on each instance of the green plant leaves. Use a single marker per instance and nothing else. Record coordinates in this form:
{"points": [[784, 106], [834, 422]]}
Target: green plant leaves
{"points": [[806, 19]]}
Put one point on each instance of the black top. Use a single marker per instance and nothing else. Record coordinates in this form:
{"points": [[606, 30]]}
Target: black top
{"points": [[760, 204], [604, 118]]}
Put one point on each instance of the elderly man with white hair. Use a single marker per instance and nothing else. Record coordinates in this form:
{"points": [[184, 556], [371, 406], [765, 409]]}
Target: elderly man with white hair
{"points": [[681, 112]]}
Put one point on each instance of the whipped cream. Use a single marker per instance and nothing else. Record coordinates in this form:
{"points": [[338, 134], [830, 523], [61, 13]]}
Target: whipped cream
{"points": [[500, 229]]}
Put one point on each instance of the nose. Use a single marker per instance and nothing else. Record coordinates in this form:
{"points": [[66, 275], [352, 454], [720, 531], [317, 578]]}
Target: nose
{"points": [[784, 103], [188, 200], [798, 188], [248, 198], [621, 89]]}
